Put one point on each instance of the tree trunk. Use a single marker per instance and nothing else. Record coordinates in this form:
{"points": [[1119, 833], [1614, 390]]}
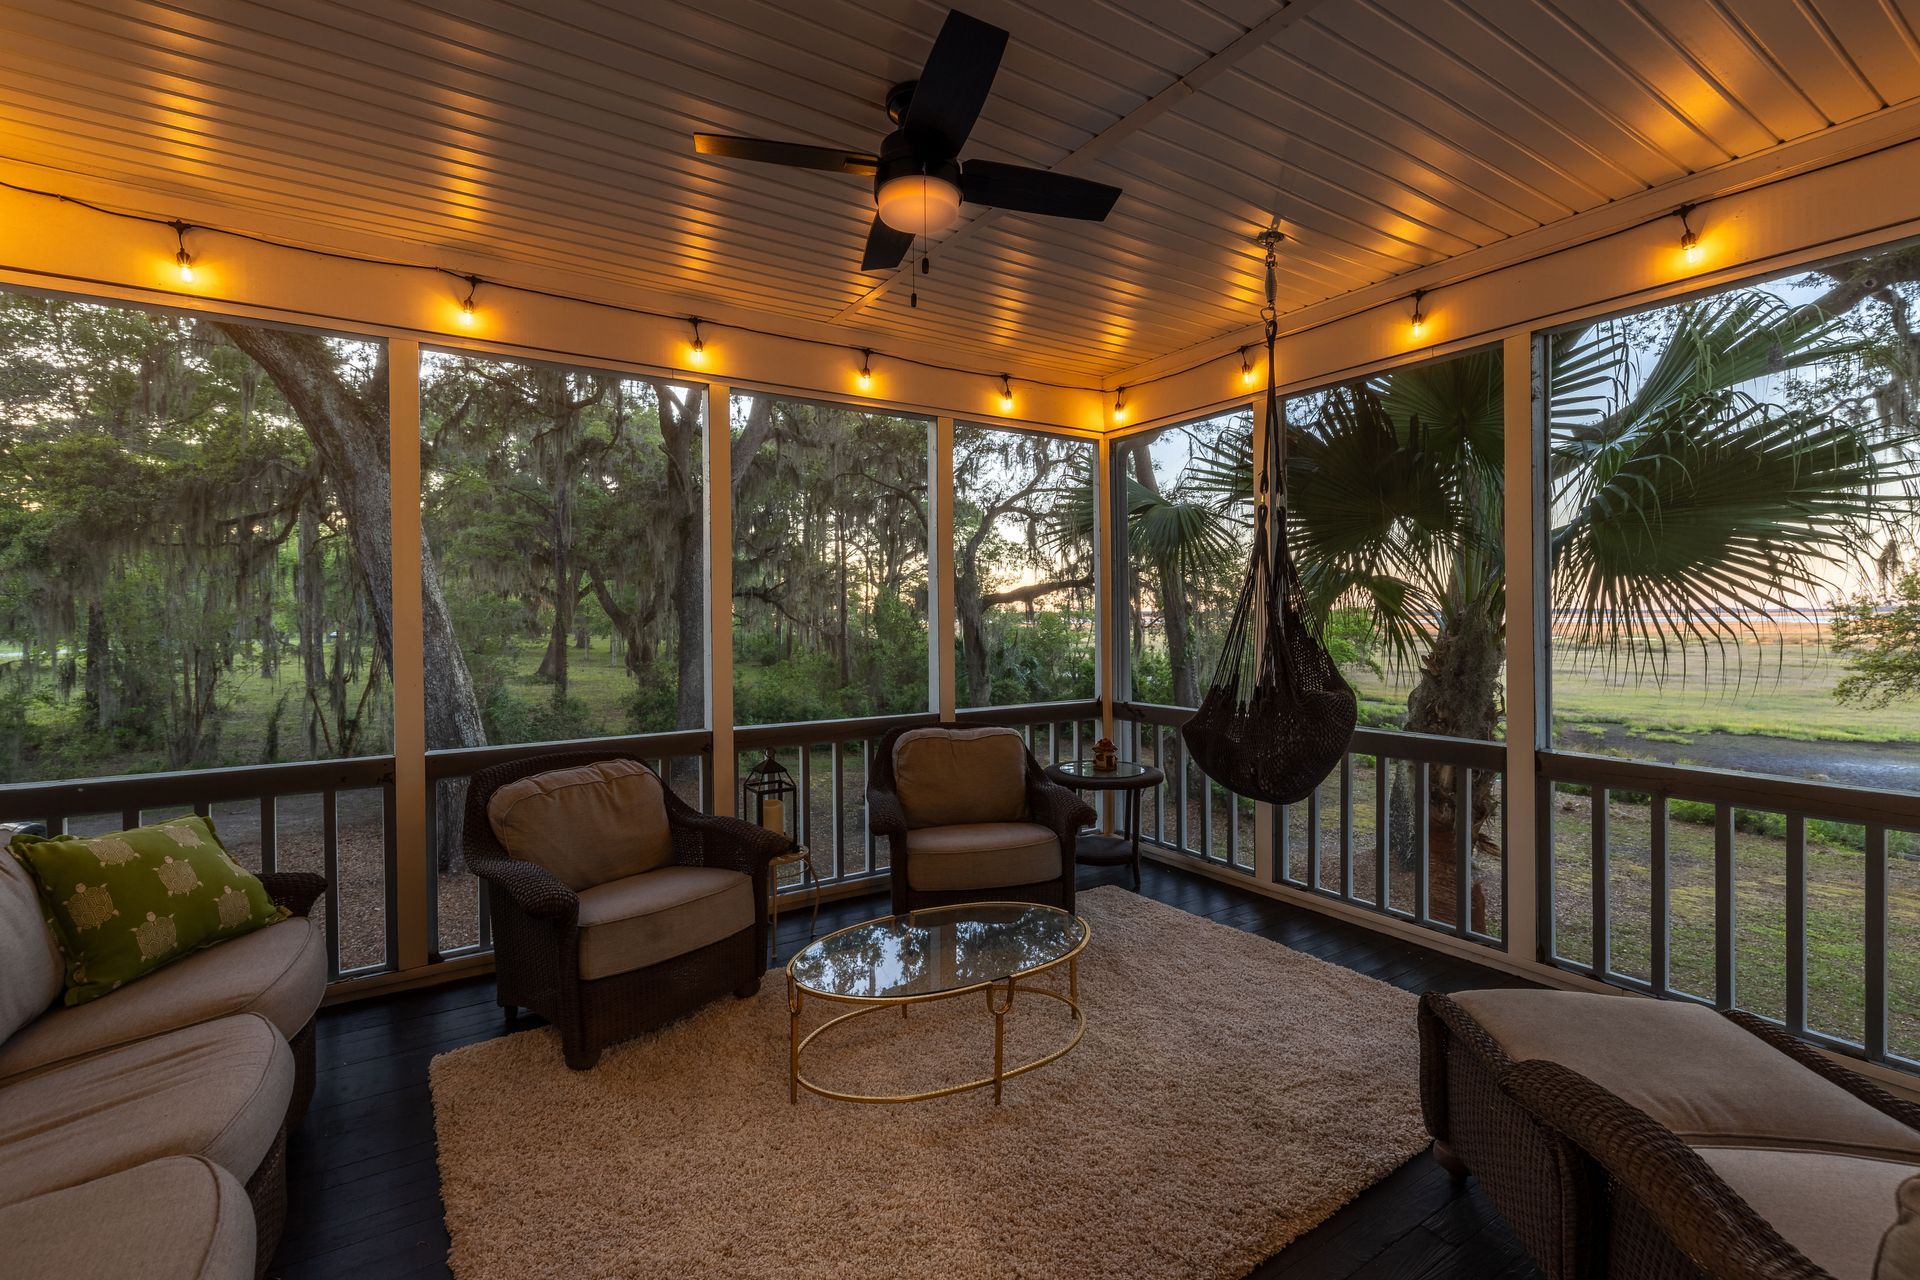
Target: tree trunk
{"points": [[97, 696], [350, 432], [1173, 606]]}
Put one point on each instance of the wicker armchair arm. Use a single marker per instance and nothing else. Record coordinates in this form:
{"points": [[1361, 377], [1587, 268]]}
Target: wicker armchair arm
{"points": [[732, 843], [1703, 1217], [1061, 811], [884, 815], [533, 888], [297, 891], [1820, 1064]]}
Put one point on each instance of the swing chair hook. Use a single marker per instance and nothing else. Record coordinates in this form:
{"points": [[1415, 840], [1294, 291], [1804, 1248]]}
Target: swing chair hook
{"points": [[1269, 241]]}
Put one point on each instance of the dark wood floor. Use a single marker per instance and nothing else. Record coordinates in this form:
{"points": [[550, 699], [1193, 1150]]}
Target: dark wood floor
{"points": [[364, 1190]]}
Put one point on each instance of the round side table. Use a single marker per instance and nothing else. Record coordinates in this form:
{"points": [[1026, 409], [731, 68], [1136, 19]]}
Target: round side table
{"points": [[804, 856], [1127, 776]]}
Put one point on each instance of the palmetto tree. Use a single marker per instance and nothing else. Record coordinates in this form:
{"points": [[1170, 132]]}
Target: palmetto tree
{"points": [[1680, 505]]}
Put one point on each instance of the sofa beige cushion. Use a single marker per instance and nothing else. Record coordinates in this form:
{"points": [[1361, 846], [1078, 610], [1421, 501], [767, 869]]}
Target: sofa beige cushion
{"points": [[181, 1218], [218, 1089], [982, 855], [949, 776], [1833, 1208], [1690, 1069], [1900, 1247], [279, 972], [588, 825], [29, 957], [641, 920]]}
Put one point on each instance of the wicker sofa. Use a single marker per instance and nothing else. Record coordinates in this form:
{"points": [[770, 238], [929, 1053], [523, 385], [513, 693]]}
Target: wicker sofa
{"points": [[1625, 1137], [968, 814], [144, 1133], [602, 949]]}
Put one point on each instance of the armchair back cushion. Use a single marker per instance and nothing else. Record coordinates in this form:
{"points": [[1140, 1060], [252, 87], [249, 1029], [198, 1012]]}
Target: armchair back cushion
{"points": [[588, 825], [947, 777], [29, 956]]}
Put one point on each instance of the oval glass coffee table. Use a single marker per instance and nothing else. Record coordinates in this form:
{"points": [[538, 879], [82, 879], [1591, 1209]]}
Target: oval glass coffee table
{"points": [[939, 954]]}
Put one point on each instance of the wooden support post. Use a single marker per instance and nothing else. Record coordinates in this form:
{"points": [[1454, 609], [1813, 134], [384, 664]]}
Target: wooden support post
{"points": [[719, 559], [940, 569], [414, 868], [1527, 658]]}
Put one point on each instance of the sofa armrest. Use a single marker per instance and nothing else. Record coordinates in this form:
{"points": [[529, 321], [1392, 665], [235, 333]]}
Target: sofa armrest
{"points": [[885, 815], [532, 888], [732, 843], [1698, 1212], [1059, 810], [297, 891]]}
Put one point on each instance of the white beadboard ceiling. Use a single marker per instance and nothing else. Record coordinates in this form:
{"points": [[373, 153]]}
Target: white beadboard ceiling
{"points": [[1387, 135]]}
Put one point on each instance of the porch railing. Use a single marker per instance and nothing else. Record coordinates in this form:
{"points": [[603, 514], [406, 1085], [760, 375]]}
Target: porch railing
{"points": [[1797, 901], [1371, 836], [330, 816]]}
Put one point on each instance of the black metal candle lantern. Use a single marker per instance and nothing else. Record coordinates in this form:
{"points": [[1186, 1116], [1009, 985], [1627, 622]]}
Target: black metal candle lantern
{"points": [[768, 793]]}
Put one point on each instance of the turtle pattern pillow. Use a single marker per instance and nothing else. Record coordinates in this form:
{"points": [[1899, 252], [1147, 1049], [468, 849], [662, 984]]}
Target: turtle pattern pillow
{"points": [[123, 905]]}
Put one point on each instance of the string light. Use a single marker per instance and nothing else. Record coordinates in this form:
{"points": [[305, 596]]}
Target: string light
{"points": [[1689, 238], [466, 303], [1419, 315], [1006, 394], [1120, 405], [182, 259], [866, 369], [1246, 369], [698, 351]]}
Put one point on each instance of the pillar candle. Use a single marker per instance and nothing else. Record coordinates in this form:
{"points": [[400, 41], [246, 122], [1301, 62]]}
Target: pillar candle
{"points": [[773, 815]]}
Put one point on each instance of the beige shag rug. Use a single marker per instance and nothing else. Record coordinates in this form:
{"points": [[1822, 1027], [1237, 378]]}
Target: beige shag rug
{"points": [[1230, 1094]]}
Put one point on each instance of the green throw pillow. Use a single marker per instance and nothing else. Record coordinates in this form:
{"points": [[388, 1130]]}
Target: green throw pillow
{"points": [[125, 904]]}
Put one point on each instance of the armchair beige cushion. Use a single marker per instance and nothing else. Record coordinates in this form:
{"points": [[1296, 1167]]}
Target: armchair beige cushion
{"points": [[981, 855], [638, 921], [180, 1218], [1832, 1208], [279, 972], [945, 777], [588, 825], [1900, 1247]]}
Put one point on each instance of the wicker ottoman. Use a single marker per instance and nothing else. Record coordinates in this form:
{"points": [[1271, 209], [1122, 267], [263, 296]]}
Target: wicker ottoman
{"points": [[1626, 1137]]}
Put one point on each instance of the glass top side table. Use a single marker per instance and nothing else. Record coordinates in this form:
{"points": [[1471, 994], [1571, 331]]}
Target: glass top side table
{"points": [[1128, 776]]}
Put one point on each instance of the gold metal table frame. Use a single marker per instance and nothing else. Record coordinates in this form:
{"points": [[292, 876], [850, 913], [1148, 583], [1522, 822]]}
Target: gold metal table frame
{"points": [[999, 992]]}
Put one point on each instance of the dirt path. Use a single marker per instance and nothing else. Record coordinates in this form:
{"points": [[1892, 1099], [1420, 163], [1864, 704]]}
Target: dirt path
{"points": [[1883, 766]]}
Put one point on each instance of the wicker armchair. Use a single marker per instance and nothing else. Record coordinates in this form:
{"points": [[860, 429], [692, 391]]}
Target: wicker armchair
{"points": [[297, 891], [1051, 811], [1596, 1187], [537, 933]]}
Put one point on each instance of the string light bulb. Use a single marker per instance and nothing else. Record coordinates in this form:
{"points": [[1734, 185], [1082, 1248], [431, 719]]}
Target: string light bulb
{"points": [[698, 351], [1689, 238], [1246, 369], [182, 260], [1120, 405], [1419, 321], [1006, 394], [466, 303], [866, 369]]}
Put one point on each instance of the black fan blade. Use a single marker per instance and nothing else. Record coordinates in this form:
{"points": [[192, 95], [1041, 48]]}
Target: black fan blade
{"points": [[800, 155], [954, 84], [1012, 186], [885, 247]]}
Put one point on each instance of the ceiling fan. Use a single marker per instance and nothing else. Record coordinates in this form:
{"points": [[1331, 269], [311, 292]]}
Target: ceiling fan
{"points": [[918, 179]]}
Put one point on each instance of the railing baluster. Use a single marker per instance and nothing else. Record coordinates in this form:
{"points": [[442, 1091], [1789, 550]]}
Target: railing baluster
{"points": [[1180, 814], [1796, 923], [1422, 838], [839, 811], [129, 818], [1313, 838], [270, 834], [803, 821], [1233, 827], [1053, 742], [1462, 850], [330, 859], [1725, 914], [1876, 894], [1660, 968], [390, 864], [1346, 826], [1602, 912], [1206, 818], [1382, 829], [866, 827]]}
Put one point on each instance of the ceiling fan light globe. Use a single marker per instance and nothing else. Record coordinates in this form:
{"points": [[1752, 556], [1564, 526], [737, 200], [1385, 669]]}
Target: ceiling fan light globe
{"points": [[918, 204]]}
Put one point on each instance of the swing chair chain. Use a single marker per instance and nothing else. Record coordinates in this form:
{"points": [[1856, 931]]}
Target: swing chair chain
{"points": [[1269, 240]]}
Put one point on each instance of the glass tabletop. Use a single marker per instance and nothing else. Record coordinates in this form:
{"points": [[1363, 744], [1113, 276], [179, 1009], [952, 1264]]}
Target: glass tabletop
{"points": [[937, 951], [1085, 769]]}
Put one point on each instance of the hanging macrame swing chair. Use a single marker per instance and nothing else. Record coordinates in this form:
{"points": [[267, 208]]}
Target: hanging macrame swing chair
{"points": [[1278, 716]]}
